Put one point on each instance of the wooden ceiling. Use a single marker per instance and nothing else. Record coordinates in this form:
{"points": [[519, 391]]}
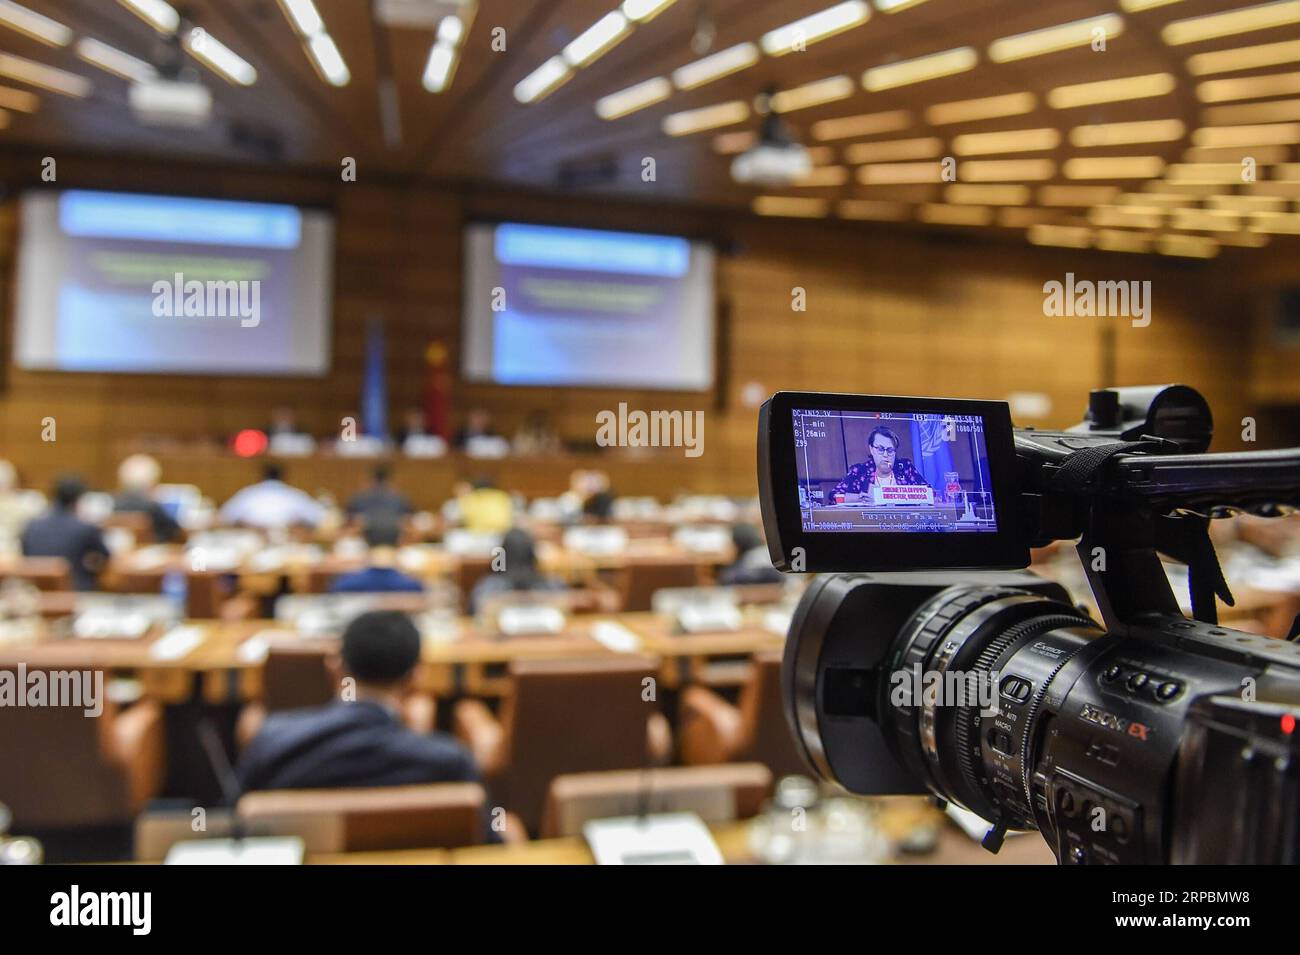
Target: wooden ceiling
{"points": [[477, 130]]}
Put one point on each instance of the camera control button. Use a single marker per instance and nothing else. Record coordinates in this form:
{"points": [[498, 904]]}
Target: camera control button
{"points": [[1168, 690], [1112, 673], [1137, 681]]}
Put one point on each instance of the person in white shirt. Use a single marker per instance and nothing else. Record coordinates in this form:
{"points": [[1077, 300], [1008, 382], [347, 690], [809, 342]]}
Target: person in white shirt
{"points": [[272, 504]]}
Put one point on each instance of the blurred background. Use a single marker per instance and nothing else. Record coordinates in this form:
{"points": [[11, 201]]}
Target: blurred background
{"points": [[318, 307]]}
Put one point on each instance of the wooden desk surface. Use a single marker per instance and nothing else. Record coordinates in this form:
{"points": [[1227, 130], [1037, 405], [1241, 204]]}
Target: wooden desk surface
{"points": [[230, 654], [955, 848]]}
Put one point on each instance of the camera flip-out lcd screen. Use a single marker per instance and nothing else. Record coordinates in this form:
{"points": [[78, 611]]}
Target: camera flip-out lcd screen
{"points": [[894, 472]]}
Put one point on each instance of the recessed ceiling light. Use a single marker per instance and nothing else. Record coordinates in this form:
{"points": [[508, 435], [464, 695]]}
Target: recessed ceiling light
{"points": [[21, 100], [973, 110], [1244, 58], [1111, 91], [596, 39], [114, 60], [47, 77], [1057, 38], [1137, 6], [643, 11], [1278, 111], [1114, 167], [542, 80], [1119, 240], [872, 209], [923, 68], [894, 150], [893, 6], [789, 206], [706, 117], [1005, 170], [439, 67], [1070, 237], [1275, 134], [818, 26], [875, 174], [812, 94], [1006, 141], [866, 124], [302, 14], [1193, 246], [327, 57], [1250, 87], [1244, 20], [33, 24], [158, 14], [1124, 134], [1076, 195], [717, 65], [967, 193], [633, 98], [206, 48]]}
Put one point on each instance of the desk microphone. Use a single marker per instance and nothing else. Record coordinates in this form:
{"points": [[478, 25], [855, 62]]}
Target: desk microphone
{"points": [[219, 763]]}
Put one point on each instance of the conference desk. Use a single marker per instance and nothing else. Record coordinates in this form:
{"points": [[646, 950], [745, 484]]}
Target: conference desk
{"points": [[954, 848], [222, 661], [428, 482]]}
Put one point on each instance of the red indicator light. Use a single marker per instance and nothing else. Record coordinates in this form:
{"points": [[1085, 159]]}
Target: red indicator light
{"points": [[249, 443], [1288, 723]]}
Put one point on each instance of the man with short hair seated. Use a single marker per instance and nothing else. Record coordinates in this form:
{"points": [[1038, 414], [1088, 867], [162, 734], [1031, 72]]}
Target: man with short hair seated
{"points": [[59, 532], [361, 743], [380, 575]]}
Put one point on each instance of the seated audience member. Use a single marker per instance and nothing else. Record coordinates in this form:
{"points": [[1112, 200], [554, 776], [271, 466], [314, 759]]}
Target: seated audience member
{"points": [[485, 508], [883, 467], [413, 426], [137, 477], [381, 499], [536, 436], [361, 743], [59, 532], [520, 572], [284, 420], [478, 424], [381, 575], [599, 508], [752, 565], [272, 504]]}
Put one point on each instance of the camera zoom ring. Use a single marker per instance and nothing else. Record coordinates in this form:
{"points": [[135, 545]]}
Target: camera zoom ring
{"points": [[1026, 741], [968, 722]]}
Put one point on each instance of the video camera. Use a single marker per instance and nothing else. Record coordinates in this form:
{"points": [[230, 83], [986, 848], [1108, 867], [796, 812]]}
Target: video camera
{"points": [[931, 661]]}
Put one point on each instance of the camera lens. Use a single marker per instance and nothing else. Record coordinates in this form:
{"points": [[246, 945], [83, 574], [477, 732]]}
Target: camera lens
{"points": [[973, 665]]}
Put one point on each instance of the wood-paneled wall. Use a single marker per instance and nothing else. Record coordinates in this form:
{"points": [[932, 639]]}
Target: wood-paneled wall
{"points": [[888, 310]]}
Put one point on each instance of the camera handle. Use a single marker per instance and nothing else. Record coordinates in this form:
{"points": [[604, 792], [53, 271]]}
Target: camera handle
{"points": [[1121, 542]]}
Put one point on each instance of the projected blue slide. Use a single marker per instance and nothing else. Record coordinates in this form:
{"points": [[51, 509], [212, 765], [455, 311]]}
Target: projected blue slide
{"points": [[555, 305]]}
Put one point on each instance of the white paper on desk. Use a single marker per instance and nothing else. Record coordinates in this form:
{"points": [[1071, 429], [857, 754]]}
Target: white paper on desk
{"points": [[709, 616], [176, 643], [256, 647], [615, 636], [778, 621], [599, 541], [517, 621], [259, 851], [679, 838]]}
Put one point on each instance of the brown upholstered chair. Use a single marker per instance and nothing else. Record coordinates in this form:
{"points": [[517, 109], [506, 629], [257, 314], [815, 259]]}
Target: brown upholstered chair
{"points": [[639, 580], [563, 716], [714, 731], [438, 815], [44, 573], [715, 793], [63, 769]]}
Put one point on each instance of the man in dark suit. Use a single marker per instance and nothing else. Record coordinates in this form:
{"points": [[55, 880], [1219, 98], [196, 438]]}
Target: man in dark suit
{"points": [[59, 532], [380, 574], [363, 742], [381, 499]]}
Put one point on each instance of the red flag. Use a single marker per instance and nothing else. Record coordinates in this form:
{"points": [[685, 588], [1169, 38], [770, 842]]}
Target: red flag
{"points": [[437, 391]]}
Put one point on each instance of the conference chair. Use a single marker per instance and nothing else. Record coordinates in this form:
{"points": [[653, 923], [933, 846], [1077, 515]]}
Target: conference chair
{"points": [[438, 815], [711, 730], [563, 716], [66, 770], [717, 794], [639, 580], [44, 573]]}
